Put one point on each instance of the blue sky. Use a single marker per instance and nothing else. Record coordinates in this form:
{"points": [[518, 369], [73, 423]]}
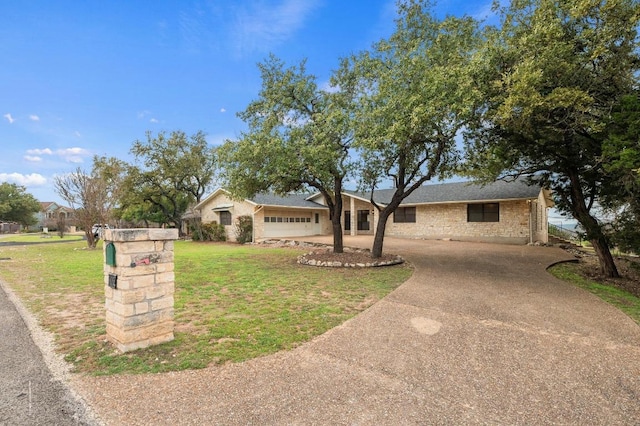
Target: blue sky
{"points": [[85, 78]]}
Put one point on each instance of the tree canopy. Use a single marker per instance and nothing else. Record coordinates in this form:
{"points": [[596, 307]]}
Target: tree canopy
{"points": [[416, 94], [298, 139], [17, 205], [171, 173], [551, 75], [621, 162]]}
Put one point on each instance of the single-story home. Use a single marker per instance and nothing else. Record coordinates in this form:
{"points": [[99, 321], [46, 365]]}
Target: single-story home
{"points": [[506, 212]]}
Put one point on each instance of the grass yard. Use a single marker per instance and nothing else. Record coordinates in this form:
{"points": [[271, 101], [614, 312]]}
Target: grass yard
{"points": [[232, 302], [624, 300]]}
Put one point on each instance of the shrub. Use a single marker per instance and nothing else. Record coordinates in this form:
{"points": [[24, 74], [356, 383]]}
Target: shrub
{"points": [[244, 229], [212, 231]]}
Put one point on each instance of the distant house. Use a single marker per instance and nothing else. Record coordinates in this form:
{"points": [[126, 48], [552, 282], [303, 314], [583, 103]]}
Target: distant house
{"points": [[49, 214], [504, 212]]}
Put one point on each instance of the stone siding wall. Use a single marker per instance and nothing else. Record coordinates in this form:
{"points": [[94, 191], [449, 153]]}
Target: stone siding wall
{"points": [[240, 208], [450, 221]]}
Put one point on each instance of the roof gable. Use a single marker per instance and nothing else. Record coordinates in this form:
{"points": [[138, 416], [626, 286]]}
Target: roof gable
{"points": [[291, 200]]}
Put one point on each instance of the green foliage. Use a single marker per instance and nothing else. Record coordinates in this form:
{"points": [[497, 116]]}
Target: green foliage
{"points": [[17, 205], [621, 162], [244, 229], [173, 172], [298, 138], [551, 75], [212, 231], [416, 93]]}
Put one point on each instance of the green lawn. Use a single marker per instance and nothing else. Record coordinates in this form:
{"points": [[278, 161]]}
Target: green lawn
{"points": [[623, 300], [232, 302]]}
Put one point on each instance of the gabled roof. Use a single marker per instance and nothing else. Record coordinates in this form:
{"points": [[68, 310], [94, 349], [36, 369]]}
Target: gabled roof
{"points": [[44, 205], [459, 192], [53, 206], [272, 200], [292, 200]]}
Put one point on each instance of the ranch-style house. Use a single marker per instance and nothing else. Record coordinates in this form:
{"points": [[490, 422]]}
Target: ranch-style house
{"points": [[502, 212]]}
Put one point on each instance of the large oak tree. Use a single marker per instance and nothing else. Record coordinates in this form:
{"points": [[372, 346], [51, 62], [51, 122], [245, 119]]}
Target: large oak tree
{"points": [[417, 93], [552, 74], [298, 139], [171, 172]]}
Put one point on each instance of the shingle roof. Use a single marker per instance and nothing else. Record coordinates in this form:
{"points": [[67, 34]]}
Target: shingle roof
{"points": [[460, 191], [438, 193], [293, 200]]}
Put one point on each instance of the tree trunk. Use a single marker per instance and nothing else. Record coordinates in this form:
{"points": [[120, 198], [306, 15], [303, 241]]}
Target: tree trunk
{"points": [[338, 243], [607, 264], [336, 223], [378, 239], [593, 229]]}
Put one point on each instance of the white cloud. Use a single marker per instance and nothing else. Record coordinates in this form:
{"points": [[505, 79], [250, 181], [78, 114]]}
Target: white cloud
{"points": [[34, 117], [33, 179], [70, 155], [73, 155], [265, 25], [77, 134], [9, 118], [223, 110], [45, 151], [153, 120]]}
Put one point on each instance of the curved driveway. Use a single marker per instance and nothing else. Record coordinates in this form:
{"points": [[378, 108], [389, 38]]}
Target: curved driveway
{"points": [[479, 334]]}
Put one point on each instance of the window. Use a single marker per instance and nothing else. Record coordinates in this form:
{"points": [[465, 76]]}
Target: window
{"points": [[225, 218], [317, 217], [404, 215], [487, 212], [363, 220]]}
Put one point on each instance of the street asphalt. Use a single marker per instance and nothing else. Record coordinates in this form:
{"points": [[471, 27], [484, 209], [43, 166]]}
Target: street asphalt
{"points": [[30, 393]]}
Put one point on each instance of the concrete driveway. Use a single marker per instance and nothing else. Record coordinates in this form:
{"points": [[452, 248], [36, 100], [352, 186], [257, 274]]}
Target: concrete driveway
{"points": [[480, 334]]}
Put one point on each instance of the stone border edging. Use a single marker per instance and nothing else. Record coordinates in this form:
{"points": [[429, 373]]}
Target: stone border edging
{"points": [[337, 264], [397, 260]]}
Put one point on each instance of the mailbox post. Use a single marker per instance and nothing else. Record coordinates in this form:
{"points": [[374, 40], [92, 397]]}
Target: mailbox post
{"points": [[139, 286]]}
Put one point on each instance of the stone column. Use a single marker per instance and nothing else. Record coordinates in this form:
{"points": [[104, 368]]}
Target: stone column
{"points": [[139, 286]]}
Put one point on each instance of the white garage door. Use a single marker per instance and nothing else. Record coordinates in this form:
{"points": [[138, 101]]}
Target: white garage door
{"points": [[288, 227]]}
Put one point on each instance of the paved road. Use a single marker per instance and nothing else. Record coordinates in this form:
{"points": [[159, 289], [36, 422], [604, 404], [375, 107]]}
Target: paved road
{"points": [[480, 334], [29, 392]]}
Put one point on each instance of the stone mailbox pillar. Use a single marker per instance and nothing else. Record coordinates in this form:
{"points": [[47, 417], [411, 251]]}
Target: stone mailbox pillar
{"points": [[139, 286]]}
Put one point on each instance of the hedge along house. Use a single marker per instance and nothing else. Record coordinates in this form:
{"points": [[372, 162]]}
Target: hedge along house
{"points": [[503, 212]]}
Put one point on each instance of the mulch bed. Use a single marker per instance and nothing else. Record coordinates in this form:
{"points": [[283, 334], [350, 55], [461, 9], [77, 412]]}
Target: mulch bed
{"points": [[351, 258]]}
